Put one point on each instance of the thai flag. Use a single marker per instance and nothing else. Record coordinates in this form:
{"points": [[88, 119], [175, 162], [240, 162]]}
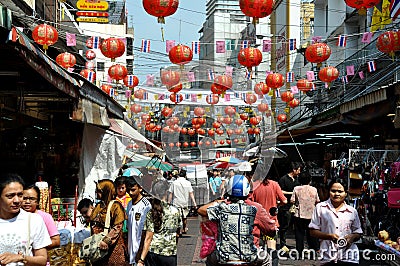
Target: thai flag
{"points": [[292, 44], [341, 42], [289, 76], [112, 92], [210, 74], [236, 95], [277, 93], [130, 80], [196, 47], [371, 66], [344, 79], [91, 76], [96, 42], [187, 96], [245, 44], [248, 74], [145, 95], [145, 46], [394, 9]]}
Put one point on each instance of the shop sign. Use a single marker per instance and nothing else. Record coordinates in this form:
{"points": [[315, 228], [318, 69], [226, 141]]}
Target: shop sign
{"points": [[91, 14], [99, 6], [92, 19]]}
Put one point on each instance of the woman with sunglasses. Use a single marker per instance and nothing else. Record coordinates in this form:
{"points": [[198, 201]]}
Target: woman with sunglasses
{"points": [[338, 227]]}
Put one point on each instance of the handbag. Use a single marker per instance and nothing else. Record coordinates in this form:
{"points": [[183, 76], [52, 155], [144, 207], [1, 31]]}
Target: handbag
{"points": [[394, 198], [90, 250]]}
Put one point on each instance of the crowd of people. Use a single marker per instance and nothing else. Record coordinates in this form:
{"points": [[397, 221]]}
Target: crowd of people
{"points": [[145, 226]]}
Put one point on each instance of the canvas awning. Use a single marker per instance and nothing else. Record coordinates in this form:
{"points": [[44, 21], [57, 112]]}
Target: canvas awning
{"points": [[121, 127]]}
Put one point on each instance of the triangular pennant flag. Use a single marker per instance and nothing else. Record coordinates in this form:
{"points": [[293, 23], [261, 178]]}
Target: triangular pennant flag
{"points": [[168, 45], [71, 39], [386, 18], [376, 20]]}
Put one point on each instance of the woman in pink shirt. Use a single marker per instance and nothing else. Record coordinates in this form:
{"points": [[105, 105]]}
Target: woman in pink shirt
{"points": [[30, 203]]}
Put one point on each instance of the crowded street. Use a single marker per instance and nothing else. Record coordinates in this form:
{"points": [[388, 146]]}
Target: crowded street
{"points": [[207, 132]]}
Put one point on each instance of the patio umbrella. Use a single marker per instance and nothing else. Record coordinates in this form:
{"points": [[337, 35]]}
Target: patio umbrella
{"points": [[229, 159], [151, 163], [131, 171], [222, 165]]}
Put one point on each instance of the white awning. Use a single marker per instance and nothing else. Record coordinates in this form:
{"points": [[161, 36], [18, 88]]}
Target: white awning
{"points": [[123, 128]]}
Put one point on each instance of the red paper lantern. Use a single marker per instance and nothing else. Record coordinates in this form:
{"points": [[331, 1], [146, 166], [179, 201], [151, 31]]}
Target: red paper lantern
{"points": [[256, 8], [212, 99], [136, 108], [244, 116], [185, 144], [287, 96], [112, 48], [88, 74], [261, 88], [221, 142], [318, 53], [249, 57], [250, 131], [45, 35], [170, 78], [262, 107], [201, 131], [219, 131], [362, 5], [228, 141], [184, 130], [228, 120], [229, 110], [257, 130], [294, 103], [176, 88], [328, 74], [274, 80], [250, 98], [217, 89], [117, 72], [107, 88], [131, 81], [254, 121], [166, 111], [199, 111], [171, 144], [282, 118], [389, 42], [178, 144], [180, 54], [160, 8], [192, 143], [139, 94], [304, 85], [191, 131], [90, 54], [176, 98], [223, 82], [211, 132], [66, 60], [229, 131], [216, 125], [238, 122]]}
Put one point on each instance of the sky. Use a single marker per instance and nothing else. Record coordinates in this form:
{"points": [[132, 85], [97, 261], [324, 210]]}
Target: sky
{"points": [[183, 27]]}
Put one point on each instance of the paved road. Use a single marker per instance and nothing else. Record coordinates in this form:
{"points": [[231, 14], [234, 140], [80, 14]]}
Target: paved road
{"points": [[189, 249]]}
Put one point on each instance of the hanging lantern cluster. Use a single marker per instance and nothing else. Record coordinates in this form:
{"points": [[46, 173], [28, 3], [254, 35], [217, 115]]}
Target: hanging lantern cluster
{"points": [[328, 74], [45, 35], [256, 8], [112, 48], [66, 60], [274, 80], [249, 57], [362, 5], [318, 53], [180, 55], [389, 42]]}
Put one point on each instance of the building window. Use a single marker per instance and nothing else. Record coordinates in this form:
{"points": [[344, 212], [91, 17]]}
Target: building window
{"points": [[230, 45], [129, 65], [100, 66], [129, 46]]}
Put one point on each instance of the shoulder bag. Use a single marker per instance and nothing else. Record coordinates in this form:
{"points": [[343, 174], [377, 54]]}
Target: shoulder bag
{"points": [[90, 250]]}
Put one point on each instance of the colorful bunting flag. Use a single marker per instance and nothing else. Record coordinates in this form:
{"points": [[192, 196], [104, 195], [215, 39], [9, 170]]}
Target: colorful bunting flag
{"points": [[191, 77], [361, 74], [341, 42], [248, 74], [168, 45], [277, 93], [292, 44], [376, 20], [228, 71], [71, 39], [196, 47], [350, 70], [194, 98], [386, 18], [130, 80], [145, 46], [294, 89], [289, 76], [371, 66], [227, 97], [344, 79], [220, 46], [150, 80], [310, 75], [210, 74], [316, 39], [394, 9], [96, 42], [367, 37], [245, 44], [161, 96], [266, 46]]}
